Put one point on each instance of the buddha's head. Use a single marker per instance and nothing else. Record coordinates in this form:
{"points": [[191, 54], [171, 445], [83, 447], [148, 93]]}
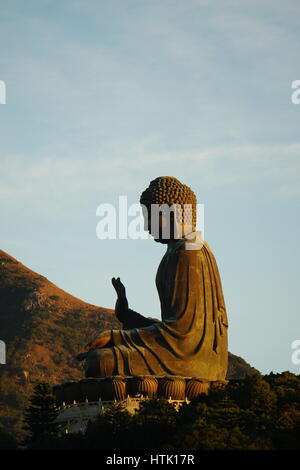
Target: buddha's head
{"points": [[169, 209]]}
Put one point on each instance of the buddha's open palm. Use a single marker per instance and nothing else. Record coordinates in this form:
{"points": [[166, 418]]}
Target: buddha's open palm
{"points": [[122, 303]]}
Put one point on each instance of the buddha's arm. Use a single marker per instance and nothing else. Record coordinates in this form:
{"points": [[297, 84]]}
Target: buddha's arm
{"points": [[128, 317], [136, 320]]}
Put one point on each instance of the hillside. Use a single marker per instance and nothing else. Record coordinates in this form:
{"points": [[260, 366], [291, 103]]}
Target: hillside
{"points": [[44, 327]]}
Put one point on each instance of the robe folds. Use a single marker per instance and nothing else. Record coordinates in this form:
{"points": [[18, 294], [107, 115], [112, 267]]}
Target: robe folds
{"points": [[191, 338]]}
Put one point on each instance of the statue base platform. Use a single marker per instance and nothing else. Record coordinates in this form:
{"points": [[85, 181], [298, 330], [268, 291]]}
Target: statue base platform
{"points": [[119, 388]]}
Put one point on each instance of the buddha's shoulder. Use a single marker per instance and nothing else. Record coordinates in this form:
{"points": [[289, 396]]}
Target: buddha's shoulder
{"points": [[191, 248]]}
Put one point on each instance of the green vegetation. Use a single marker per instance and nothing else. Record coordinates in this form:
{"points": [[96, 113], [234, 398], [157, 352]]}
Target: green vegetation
{"points": [[40, 415]]}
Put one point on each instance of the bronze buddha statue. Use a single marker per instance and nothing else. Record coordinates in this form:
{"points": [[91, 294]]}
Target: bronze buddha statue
{"points": [[191, 338]]}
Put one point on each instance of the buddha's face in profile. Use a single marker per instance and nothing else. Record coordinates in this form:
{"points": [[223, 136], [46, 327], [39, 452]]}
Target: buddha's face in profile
{"points": [[165, 226], [161, 225], [169, 209]]}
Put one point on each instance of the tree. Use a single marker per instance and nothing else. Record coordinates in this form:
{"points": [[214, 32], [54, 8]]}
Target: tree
{"points": [[155, 424], [41, 413], [111, 430]]}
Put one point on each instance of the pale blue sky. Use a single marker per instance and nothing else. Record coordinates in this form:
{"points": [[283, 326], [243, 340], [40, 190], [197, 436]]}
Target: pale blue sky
{"points": [[103, 96]]}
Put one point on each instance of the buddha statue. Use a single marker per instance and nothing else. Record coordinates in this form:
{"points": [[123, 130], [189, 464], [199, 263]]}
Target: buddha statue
{"points": [[191, 338]]}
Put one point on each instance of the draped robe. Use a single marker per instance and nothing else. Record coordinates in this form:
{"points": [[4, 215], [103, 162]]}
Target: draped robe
{"points": [[191, 339]]}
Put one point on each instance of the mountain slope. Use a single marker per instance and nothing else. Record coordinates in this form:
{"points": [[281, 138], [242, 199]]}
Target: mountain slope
{"points": [[44, 327]]}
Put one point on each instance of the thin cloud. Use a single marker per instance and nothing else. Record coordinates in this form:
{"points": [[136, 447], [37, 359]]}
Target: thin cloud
{"points": [[64, 179]]}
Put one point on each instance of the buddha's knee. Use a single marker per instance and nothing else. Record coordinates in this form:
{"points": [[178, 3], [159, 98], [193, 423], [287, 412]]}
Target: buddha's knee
{"points": [[100, 363]]}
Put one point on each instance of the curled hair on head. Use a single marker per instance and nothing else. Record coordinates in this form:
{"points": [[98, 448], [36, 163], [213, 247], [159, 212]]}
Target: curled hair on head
{"points": [[169, 190]]}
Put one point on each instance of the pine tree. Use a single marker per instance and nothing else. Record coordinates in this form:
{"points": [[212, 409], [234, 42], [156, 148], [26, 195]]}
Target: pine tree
{"points": [[118, 421], [155, 424], [111, 430], [40, 415]]}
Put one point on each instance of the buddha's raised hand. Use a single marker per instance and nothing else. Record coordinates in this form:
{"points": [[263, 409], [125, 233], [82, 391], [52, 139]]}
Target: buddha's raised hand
{"points": [[119, 287], [122, 303]]}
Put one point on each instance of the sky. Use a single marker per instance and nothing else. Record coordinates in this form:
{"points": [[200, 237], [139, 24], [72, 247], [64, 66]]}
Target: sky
{"points": [[103, 96]]}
